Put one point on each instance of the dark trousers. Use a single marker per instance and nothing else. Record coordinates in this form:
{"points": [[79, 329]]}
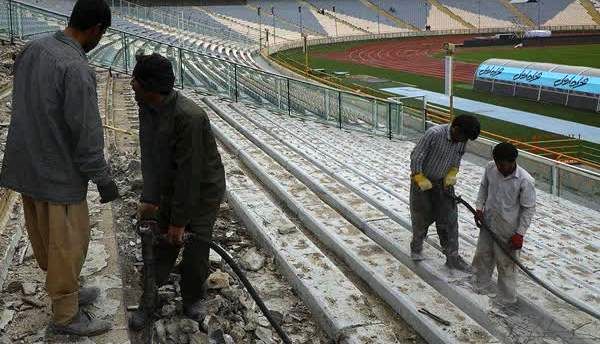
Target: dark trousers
{"points": [[434, 205], [194, 265]]}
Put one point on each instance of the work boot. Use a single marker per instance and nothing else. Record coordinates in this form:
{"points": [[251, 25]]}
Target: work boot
{"points": [[417, 256], [488, 289], [195, 310], [458, 263], [82, 324], [87, 295], [137, 319]]}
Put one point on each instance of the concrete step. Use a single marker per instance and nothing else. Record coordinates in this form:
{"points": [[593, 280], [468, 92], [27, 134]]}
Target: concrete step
{"points": [[334, 300], [403, 290]]}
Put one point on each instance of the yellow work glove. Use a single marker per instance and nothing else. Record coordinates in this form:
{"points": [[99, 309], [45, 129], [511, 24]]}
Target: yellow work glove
{"points": [[450, 178], [422, 181]]}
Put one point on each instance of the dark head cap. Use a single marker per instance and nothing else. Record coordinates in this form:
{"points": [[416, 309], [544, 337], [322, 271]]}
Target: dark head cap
{"points": [[154, 73]]}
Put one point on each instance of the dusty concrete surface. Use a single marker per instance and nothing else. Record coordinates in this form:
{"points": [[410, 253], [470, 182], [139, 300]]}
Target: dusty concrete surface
{"points": [[231, 315]]}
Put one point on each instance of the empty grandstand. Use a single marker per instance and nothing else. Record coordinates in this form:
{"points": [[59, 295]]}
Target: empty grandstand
{"points": [[331, 206]]}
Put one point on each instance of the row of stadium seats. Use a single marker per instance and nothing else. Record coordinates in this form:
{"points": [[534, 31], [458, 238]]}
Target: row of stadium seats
{"points": [[288, 19], [557, 12]]}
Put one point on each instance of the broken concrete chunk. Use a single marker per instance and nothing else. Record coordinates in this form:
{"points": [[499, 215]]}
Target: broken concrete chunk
{"points": [[264, 334], [252, 260], [238, 333], [29, 288], [216, 337], [6, 316], [13, 287], [262, 321], [228, 339], [172, 328], [199, 338], [168, 310], [188, 326], [287, 229], [209, 323], [33, 301], [4, 339], [218, 280], [161, 332], [232, 294], [247, 301], [214, 258]]}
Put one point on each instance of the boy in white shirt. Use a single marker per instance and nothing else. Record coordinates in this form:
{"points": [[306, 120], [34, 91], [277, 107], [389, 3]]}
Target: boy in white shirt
{"points": [[506, 202]]}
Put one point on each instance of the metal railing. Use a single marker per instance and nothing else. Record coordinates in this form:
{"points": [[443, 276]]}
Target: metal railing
{"points": [[393, 118], [405, 34], [344, 109], [177, 21]]}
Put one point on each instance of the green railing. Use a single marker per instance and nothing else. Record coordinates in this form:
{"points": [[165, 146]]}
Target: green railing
{"points": [[239, 82]]}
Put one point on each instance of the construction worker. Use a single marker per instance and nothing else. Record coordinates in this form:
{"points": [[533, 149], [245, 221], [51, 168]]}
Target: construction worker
{"points": [[434, 164], [184, 179], [55, 145], [506, 203]]}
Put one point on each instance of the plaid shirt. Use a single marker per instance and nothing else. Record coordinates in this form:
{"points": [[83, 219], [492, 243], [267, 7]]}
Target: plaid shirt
{"points": [[435, 153]]}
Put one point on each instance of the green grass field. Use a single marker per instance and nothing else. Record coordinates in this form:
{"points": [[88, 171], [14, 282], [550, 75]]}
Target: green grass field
{"points": [[574, 55], [585, 54], [296, 57]]}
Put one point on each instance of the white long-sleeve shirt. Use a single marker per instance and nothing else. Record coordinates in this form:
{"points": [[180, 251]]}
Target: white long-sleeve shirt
{"points": [[509, 202]]}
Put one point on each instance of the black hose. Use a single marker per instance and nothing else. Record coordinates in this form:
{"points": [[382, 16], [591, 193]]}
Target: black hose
{"points": [[221, 252], [235, 267], [573, 302]]}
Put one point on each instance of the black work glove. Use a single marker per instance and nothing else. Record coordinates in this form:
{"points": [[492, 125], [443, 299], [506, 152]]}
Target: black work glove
{"points": [[108, 192]]}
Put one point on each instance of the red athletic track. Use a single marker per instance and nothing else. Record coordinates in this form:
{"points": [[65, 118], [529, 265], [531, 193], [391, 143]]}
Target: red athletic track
{"points": [[412, 55]]}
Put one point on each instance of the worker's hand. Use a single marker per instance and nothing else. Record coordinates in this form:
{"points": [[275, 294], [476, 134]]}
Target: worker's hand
{"points": [[478, 217], [147, 211], [422, 181], [516, 241], [108, 192], [175, 235], [450, 178]]}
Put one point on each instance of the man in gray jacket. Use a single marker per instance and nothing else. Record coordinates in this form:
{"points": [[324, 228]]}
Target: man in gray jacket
{"points": [[55, 146], [184, 179]]}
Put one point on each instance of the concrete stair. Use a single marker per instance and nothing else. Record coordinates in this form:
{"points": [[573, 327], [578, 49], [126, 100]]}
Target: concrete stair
{"points": [[399, 22], [524, 19], [340, 20], [591, 10], [451, 14], [283, 20]]}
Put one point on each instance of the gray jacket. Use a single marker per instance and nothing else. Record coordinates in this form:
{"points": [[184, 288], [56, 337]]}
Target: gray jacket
{"points": [[55, 141]]}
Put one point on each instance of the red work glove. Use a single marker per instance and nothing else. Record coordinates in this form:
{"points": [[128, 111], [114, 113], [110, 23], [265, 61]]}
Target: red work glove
{"points": [[516, 241]]}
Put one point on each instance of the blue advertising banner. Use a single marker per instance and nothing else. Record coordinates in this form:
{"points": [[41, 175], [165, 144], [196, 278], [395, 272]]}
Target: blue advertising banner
{"points": [[567, 82]]}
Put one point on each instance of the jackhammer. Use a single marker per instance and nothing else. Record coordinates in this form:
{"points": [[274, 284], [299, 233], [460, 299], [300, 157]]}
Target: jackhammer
{"points": [[573, 302], [150, 234]]}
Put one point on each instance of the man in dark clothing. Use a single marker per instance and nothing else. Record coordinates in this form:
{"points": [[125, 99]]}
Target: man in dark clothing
{"points": [[184, 179], [55, 146]]}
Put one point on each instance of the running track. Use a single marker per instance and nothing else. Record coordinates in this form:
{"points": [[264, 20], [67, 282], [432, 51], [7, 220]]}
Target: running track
{"points": [[412, 55]]}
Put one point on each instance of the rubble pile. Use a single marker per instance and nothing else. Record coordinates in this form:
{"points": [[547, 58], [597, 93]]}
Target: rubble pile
{"points": [[231, 315]]}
